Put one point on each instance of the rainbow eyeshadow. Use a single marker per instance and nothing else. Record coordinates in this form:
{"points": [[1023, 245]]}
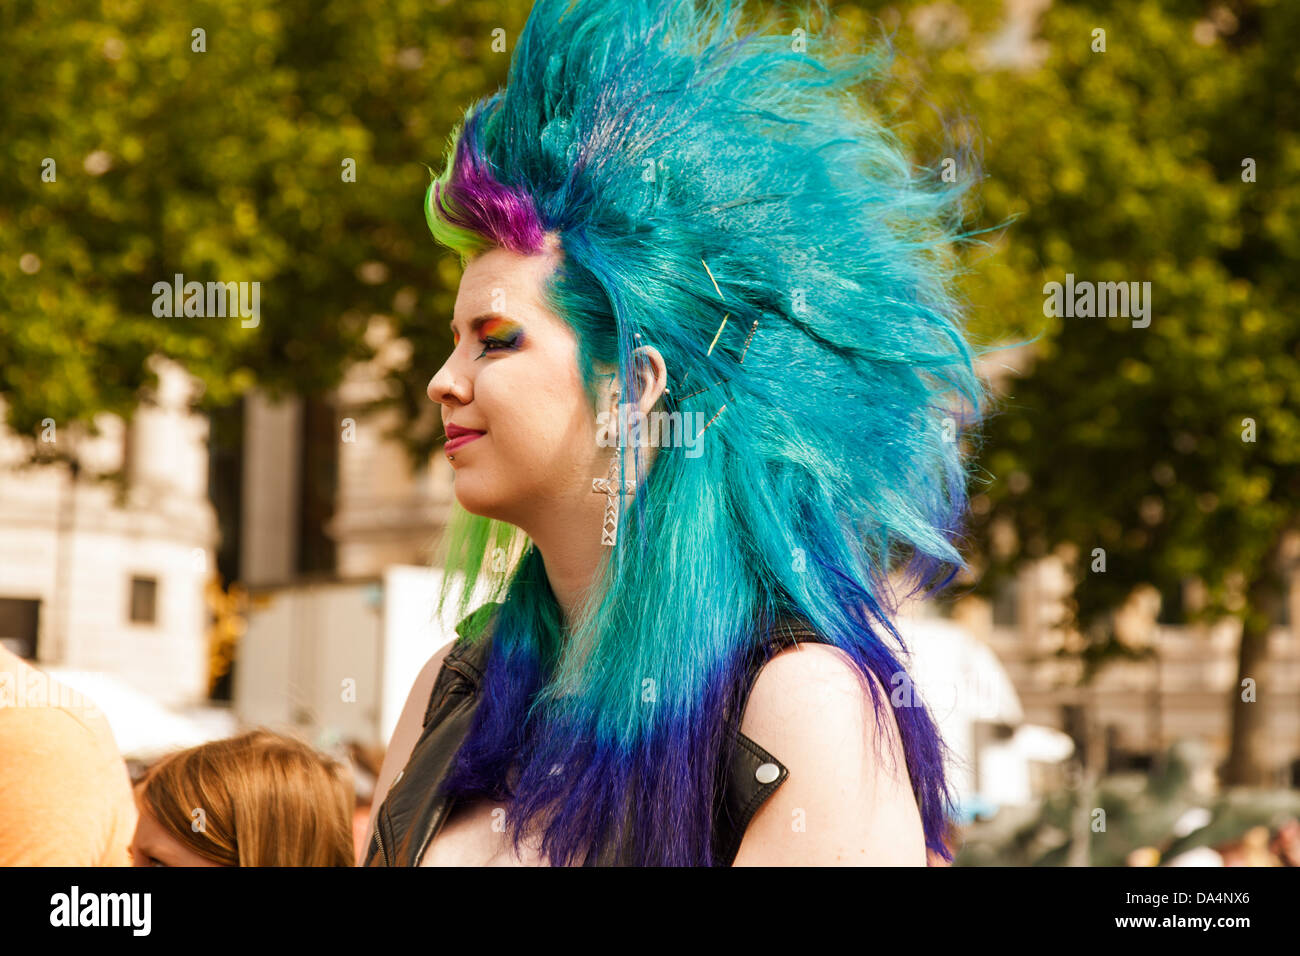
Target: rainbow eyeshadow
{"points": [[501, 330], [496, 331]]}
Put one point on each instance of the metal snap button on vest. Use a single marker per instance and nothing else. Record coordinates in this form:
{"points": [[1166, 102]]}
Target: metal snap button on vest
{"points": [[767, 773]]}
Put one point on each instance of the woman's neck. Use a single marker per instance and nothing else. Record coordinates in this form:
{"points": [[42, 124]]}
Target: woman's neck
{"points": [[567, 532], [572, 562]]}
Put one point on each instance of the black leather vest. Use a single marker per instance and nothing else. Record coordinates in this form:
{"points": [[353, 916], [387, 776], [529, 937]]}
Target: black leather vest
{"points": [[413, 811]]}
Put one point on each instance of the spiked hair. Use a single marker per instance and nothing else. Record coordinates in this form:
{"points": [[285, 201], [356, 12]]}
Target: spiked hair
{"points": [[656, 138]]}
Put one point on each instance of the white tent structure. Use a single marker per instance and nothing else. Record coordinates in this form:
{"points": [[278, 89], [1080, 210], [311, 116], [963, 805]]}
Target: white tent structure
{"points": [[143, 728], [964, 684]]}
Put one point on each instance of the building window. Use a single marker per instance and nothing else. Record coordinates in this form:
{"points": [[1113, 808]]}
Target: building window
{"points": [[19, 623], [144, 600], [1006, 603]]}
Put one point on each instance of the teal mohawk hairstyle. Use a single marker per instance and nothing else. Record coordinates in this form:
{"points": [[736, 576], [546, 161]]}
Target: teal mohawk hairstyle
{"points": [[671, 144]]}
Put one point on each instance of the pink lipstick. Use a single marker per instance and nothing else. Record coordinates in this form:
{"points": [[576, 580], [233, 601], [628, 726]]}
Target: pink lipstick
{"points": [[457, 436]]}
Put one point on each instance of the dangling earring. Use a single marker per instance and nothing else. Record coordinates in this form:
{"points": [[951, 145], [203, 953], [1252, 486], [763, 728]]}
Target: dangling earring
{"points": [[610, 486]]}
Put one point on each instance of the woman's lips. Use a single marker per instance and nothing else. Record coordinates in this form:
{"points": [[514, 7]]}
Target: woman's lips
{"points": [[463, 438]]}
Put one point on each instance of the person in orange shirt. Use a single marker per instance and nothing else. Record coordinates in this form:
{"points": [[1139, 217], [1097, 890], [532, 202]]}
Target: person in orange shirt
{"points": [[65, 796]]}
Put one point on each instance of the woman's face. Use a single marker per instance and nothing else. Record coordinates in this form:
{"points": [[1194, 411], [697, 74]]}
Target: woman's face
{"points": [[152, 845], [521, 433]]}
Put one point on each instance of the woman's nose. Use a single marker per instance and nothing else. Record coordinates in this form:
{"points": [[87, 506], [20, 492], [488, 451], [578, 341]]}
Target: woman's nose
{"points": [[448, 387]]}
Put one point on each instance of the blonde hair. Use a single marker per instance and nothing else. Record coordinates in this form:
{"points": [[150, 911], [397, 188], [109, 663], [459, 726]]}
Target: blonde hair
{"points": [[259, 799]]}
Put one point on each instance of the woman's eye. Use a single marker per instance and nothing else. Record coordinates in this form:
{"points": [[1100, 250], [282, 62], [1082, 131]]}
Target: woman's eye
{"points": [[148, 860], [496, 345]]}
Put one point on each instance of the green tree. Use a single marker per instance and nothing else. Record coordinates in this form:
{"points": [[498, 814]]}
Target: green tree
{"points": [[1172, 158], [223, 156]]}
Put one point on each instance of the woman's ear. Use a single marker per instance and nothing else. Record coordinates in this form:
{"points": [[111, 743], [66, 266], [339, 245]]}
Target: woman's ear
{"points": [[650, 377]]}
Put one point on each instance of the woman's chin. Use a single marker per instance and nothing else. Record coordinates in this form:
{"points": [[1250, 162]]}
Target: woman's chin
{"points": [[474, 498]]}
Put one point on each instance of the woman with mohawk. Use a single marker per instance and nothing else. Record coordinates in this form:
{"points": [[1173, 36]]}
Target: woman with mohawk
{"points": [[678, 224]]}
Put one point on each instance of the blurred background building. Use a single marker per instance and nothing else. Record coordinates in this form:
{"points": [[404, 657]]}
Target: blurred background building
{"points": [[1143, 706], [104, 550]]}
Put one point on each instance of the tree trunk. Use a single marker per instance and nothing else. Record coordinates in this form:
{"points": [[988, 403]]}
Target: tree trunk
{"points": [[1093, 759], [1248, 764]]}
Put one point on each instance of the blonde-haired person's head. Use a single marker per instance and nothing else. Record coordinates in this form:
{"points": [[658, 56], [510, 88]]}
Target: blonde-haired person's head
{"points": [[259, 799]]}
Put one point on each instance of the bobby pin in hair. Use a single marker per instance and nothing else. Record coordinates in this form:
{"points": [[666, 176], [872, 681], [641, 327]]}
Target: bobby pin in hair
{"points": [[717, 334]]}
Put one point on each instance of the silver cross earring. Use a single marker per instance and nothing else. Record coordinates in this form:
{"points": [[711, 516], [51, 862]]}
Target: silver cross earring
{"points": [[610, 486]]}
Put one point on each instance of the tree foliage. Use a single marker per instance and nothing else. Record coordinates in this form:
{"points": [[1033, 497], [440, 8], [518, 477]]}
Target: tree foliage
{"points": [[223, 165]]}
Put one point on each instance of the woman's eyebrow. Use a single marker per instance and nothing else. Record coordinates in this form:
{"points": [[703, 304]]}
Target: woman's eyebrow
{"points": [[476, 322]]}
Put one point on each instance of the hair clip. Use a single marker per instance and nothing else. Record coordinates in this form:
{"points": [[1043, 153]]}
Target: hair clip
{"points": [[713, 419], [711, 279], [748, 338], [717, 334], [698, 390]]}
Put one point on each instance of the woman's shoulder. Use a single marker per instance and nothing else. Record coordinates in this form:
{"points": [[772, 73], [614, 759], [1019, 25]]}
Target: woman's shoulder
{"points": [[799, 673], [810, 706]]}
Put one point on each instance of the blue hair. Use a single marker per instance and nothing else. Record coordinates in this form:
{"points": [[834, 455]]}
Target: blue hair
{"points": [[669, 149]]}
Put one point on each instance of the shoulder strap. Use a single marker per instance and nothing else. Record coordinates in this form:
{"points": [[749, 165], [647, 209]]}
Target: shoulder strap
{"points": [[787, 631], [747, 777]]}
